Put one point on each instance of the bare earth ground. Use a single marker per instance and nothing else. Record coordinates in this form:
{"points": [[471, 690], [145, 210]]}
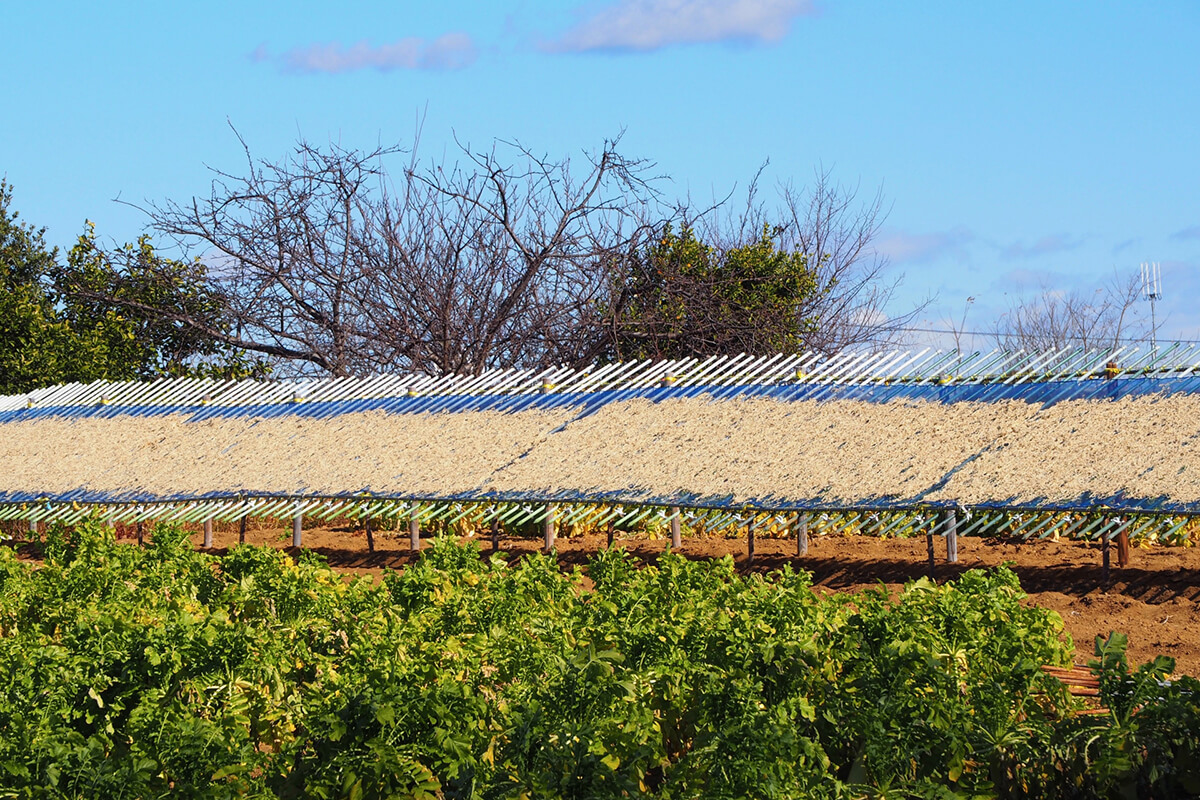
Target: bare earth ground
{"points": [[1154, 599]]}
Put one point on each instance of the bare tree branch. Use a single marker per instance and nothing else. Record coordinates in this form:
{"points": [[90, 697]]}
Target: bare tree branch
{"points": [[503, 258], [523, 248], [294, 245], [1056, 320]]}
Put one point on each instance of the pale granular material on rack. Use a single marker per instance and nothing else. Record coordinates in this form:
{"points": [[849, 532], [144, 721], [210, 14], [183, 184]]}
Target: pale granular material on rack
{"points": [[835, 452], [171, 456]]}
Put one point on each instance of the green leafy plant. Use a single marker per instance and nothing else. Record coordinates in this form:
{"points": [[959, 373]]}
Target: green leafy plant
{"points": [[139, 672]]}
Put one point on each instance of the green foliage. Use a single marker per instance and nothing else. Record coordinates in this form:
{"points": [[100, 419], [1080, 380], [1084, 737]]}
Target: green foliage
{"points": [[62, 322], [131, 299], [1147, 745], [140, 672], [31, 338], [683, 297]]}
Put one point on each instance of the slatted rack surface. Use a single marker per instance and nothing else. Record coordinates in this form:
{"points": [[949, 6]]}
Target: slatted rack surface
{"points": [[1097, 526], [932, 375], [936, 375]]}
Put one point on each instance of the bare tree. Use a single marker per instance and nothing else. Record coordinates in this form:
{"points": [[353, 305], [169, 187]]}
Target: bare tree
{"points": [[295, 245], [329, 267], [838, 232], [1056, 320], [503, 259], [958, 328]]}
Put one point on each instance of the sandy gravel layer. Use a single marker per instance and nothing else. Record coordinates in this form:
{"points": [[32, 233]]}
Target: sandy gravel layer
{"points": [[418, 454], [840, 451]]}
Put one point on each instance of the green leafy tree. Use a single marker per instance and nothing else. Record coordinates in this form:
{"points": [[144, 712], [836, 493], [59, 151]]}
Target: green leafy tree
{"points": [[683, 297], [56, 328], [133, 300], [31, 338]]}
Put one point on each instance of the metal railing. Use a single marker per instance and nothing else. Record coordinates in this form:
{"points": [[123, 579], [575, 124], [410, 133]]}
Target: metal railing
{"points": [[944, 376]]}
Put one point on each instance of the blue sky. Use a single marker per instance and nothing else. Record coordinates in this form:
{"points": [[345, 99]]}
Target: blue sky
{"points": [[1020, 145]]}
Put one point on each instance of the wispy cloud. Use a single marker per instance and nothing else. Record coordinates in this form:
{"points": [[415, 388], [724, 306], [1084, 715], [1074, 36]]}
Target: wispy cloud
{"points": [[916, 248], [451, 51], [1187, 233], [1054, 243], [643, 25], [1121, 247]]}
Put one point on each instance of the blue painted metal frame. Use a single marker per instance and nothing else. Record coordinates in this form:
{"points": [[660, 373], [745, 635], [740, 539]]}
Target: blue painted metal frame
{"points": [[1086, 502], [1045, 393]]}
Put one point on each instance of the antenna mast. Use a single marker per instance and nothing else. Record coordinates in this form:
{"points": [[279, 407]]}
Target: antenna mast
{"points": [[1152, 291]]}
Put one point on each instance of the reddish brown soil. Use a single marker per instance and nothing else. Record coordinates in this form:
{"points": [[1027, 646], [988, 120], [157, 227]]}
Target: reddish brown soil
{"points": [[1154, 599]]}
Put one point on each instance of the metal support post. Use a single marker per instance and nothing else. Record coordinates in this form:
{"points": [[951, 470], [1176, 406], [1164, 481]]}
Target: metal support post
{"points": [[548, 528], [950, 531], [929, 548], [750, 540], [1123, 546]]}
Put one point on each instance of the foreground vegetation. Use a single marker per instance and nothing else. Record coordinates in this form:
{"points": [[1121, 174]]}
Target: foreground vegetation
{"points": [[142, 672]]}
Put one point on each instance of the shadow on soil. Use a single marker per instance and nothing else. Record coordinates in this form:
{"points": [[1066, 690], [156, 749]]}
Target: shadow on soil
{"points": [[836, 573]]}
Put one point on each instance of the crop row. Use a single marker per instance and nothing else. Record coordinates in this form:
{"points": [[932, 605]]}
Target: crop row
{"points": [[137, 672]]}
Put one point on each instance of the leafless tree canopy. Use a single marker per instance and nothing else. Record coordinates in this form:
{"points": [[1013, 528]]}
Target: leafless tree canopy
{"points": [[294, 245], [492, 262], [837, 232], [504, 262], [331, 265], [1056, 320]]}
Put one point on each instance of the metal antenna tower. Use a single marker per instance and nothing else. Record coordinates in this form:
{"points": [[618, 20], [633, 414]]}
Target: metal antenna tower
{"points": [[1152, 291]]}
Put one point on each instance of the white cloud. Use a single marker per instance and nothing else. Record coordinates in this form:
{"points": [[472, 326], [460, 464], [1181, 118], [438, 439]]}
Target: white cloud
{"points": [[652, 24], [451, 51]]}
